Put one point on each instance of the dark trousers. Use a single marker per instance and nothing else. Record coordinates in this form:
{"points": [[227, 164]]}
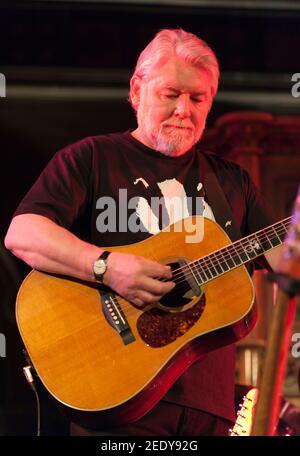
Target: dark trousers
{"points": [[166, 419]]}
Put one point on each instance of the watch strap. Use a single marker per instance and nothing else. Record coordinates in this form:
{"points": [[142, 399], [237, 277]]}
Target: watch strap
{"points": [[103, 256]]}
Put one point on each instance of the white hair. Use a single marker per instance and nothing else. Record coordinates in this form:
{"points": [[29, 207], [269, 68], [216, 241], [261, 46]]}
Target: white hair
{"points": [[178, 43]]}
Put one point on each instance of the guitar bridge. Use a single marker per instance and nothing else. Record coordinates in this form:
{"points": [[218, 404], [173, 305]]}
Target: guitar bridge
{"points": [[115, 317]]}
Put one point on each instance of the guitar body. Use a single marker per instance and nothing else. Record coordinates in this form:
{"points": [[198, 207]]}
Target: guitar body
{"points": [[88, 366]]}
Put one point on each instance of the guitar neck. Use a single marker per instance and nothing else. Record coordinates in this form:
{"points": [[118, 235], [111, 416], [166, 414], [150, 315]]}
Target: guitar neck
{"points": [[244, 421], [239, 252]]}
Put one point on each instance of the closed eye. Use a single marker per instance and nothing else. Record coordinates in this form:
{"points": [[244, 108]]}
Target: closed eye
{"points": [[196, 99], [169, 95]]}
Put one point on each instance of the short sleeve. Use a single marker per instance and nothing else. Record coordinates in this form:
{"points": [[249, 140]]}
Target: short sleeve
{"points": [[259, 213], [62, 191]]}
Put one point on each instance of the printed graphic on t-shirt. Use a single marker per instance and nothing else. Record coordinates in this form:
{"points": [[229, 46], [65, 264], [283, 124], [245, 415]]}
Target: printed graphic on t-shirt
{"points": [[168, 203], [175, 205]]}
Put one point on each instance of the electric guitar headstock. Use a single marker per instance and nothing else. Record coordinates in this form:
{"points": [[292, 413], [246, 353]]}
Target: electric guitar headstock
{"points": [[245, 415]]}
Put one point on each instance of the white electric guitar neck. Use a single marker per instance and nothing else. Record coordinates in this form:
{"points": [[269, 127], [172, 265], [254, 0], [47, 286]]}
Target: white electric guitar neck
{"points": [[245, 415]]}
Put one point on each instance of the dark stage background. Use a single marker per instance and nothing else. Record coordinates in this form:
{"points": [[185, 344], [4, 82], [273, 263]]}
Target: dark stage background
{"points": [[67, 67]]}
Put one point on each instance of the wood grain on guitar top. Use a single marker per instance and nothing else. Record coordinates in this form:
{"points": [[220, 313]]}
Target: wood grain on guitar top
{"points": [[82, 360]]}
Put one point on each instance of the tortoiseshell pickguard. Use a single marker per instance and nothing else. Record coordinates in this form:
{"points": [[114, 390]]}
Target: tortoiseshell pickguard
{"points": [[158, 327]]}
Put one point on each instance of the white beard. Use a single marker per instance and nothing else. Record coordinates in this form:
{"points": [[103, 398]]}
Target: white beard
{"points": [[174, 142], [169, 141]]}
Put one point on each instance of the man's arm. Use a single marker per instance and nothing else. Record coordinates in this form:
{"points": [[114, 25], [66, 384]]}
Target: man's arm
{"points": [[273, 257], [46, 246]]}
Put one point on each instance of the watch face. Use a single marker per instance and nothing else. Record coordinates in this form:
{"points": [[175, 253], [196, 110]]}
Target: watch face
{"points": [[99, 267]]}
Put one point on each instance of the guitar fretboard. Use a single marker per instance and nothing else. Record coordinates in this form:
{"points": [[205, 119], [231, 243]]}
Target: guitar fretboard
{"points": [[239, 252]]}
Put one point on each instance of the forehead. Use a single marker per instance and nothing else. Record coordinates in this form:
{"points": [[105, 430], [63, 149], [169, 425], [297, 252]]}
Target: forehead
{"points": [[180, 76]]}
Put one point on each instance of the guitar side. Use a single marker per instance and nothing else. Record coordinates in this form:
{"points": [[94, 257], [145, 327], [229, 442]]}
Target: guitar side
{"points": [[84, 363]]}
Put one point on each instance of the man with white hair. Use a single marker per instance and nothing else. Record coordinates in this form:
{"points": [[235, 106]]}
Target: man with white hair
{"points": [[60, 224]]}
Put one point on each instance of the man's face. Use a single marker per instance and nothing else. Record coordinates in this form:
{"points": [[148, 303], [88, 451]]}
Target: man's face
{"points": [[172, 107]]}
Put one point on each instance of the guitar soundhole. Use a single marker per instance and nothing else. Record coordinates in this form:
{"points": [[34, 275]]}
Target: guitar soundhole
{"points": [[161, 325], [183, 292], [178, 297]]}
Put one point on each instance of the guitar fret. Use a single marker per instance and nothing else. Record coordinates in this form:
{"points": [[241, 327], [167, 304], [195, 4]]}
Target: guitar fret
{"points": [[277, 239], [219, 265], [254, 247], [199, 279], [193, 271], [251, 253], [276, 234], [241, 252], [266, 243], [202, 273], [213, 272], [237, 258], [230, 262], [207, 270], [224, 265]]}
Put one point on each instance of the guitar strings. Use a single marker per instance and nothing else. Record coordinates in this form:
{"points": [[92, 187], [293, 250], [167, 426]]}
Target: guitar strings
{"points": [[190, 274], [226, 253], [191, 267], [179, 288], [231, 250], [238, 247], [209, 268]]}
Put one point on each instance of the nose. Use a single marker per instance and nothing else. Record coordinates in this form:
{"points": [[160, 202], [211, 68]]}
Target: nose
{"points": [[182, 109]]}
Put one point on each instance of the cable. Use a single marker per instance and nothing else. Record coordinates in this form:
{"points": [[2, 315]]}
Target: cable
{"points": [[30, 380]]}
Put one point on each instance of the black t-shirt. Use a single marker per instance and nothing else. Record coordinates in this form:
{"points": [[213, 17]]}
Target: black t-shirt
{"points": [[86, 188]]}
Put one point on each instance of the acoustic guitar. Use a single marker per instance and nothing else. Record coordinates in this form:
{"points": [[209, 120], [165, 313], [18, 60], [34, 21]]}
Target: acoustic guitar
{"points": [[110, 362]]}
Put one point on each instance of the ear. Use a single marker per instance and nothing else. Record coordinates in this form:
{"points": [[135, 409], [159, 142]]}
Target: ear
{"points": [[135, 89]]}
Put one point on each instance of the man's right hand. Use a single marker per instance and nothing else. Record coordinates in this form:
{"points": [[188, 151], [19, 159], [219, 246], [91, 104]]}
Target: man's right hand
{"points": [[48, 247], [137, 279]]}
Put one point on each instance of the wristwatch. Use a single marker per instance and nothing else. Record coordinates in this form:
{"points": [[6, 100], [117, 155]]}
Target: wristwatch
{"points": [[100, 266]]}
